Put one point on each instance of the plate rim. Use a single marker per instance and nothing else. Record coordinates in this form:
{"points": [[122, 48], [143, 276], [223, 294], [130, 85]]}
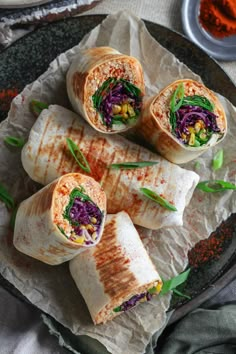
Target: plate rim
{"points": [[14, 4]]}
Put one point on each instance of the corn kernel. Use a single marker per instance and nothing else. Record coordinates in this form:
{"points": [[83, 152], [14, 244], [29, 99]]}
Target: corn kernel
{"points": [[79, 239], [159, 287], [192, 139], [93, 220], [191, 130], [124, 108], [130, 110], [197, 126], [116, 109]]}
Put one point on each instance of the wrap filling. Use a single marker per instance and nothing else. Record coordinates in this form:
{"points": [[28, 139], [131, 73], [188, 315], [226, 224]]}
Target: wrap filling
{"points": [[118, 102], [135, 299], [84, 216], [192, 119]]}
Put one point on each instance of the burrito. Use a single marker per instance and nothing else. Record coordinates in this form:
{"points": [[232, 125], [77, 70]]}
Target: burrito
{"points": [[183, 121], [118, 273], [46, 156], [61, 220], [106, 88]]}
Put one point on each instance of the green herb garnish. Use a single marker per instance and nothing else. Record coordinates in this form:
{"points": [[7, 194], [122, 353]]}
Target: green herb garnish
{"points": [[13, 218], [37, 107], [177, 98], [13, 141], [130, 87], [172, 283], [177, 292], [158, 199], [152, 290], [62, 231], [175, 104], [117, 309], [102, 91], [131, 165], [6, 198], [218, 159], [215, 186], [78, 155], [199, 101], [197, 165]]}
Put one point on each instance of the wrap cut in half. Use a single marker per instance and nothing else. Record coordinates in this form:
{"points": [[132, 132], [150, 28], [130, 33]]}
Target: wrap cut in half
{"points": [[46, 156], [183, 121], [118, 273], [61, 220], [106, 88]]}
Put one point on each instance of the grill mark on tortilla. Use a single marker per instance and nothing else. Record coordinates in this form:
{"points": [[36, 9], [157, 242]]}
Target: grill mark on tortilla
{"points": [[63, 164], [91, 157], [116, 183], [50, 155], [42, 201], [145, 205], [77, 135], [158, 209], [133, 173], [41, 143], [99, 167], [105, 267], [78, 84]]}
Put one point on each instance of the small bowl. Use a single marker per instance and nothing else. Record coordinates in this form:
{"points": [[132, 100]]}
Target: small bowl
{"points": [[218, 48]]}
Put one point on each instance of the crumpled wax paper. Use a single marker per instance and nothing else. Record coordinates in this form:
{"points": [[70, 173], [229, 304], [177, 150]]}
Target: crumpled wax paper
{"points": [[51, 288]]}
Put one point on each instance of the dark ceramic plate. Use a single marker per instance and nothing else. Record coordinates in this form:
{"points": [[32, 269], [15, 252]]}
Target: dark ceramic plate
{"points": [[29, 57]]}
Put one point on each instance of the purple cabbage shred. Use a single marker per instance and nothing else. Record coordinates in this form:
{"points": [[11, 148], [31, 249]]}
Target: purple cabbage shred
{"points": [[81, 213], [134, 300], [117, 95], [187, 116]]}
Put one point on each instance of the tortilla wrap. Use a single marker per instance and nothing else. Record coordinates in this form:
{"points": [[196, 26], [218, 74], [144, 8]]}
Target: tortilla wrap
{"points": [[46, 156], [90, 71], [115, 271], [154, 125], [42, 230]]}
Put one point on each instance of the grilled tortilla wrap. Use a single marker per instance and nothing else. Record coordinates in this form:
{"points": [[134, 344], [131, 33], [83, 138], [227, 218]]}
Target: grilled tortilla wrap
{"points": [[106, 88], [61, 220], [46, 156], [118, 273], [196, 128]]}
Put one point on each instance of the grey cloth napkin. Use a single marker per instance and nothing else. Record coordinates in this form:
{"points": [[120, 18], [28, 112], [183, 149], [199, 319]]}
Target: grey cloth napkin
{"points": [[204, 331], [21, 329]]}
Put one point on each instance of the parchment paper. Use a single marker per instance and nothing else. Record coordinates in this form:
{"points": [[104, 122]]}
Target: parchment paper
{"points": [[51, 288]]}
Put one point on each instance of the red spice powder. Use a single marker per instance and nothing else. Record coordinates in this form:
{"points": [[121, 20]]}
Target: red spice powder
{"points": [[211, 248], [218, 17], [6, 96]]}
